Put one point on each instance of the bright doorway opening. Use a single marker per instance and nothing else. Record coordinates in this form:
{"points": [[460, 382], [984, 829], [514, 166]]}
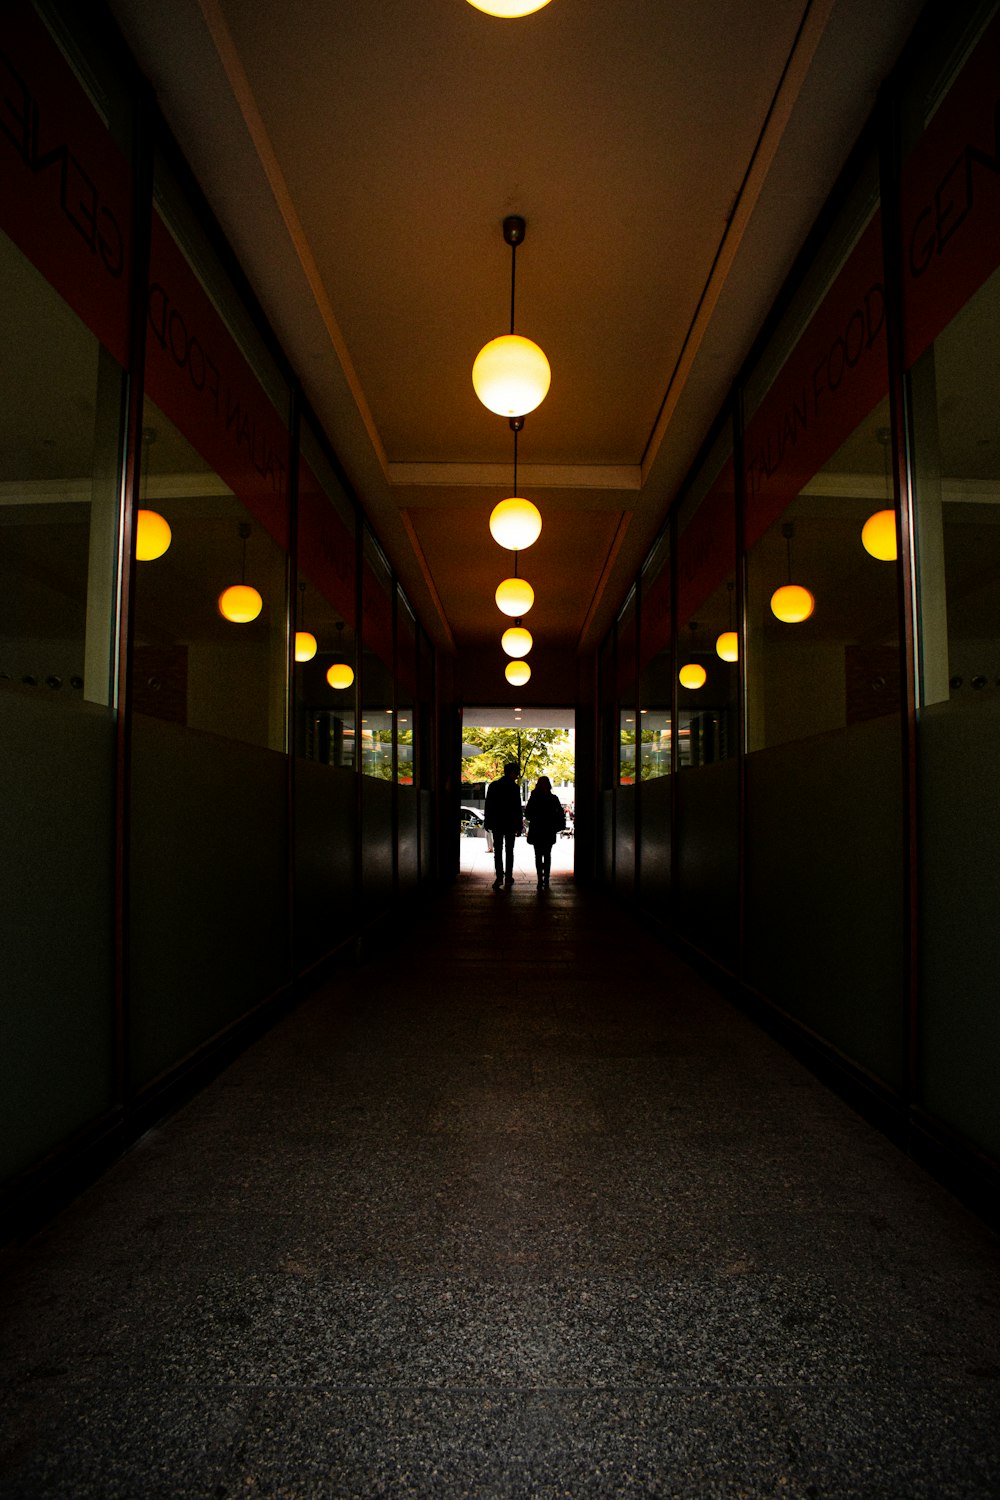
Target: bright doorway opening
{"points": [[543, 743]]}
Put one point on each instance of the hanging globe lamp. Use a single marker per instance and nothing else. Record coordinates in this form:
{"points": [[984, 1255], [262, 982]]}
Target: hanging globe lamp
{"points": [[152, 535], [514, 597]]}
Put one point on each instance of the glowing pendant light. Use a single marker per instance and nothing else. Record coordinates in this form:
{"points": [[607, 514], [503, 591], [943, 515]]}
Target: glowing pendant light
{"points": [[517, 673], [511, 375], [508, 8], [692, 675], [515, 596], [727, 645], [306, 644], [241, 603], [516, 641], [878, 535], [515, 523], [152, 535], [791, 603], [340, 675], [152, 532]]}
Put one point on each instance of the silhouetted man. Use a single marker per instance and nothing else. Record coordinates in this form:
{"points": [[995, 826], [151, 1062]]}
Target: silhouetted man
{"points": [[505, 819]]}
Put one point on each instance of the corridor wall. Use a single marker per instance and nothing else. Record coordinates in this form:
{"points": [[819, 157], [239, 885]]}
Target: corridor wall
{"points": [[813, 804], [202, 806]]}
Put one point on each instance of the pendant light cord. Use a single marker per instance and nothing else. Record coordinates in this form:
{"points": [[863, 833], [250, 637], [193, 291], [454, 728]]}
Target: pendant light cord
{"points": [[513, 275]]}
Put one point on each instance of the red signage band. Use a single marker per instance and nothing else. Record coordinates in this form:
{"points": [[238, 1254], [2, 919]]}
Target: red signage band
{"points": [[66, 198], [199, 377], [950, 202], [834, 377]]}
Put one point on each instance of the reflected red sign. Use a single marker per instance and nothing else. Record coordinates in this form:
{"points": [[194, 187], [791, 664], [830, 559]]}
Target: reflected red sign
{"points": [[835, 376], [951, 200], [196, 373], [66, 198]]}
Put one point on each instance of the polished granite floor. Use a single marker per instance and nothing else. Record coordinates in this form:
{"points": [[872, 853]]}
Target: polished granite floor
{"points": [[519, 1207]]}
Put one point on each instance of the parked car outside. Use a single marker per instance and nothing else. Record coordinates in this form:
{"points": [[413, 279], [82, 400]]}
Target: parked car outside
{"points": [[471, 823]]}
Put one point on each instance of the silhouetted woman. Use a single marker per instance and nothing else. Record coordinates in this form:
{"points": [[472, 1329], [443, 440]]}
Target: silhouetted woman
{"points": [[546, 818]]}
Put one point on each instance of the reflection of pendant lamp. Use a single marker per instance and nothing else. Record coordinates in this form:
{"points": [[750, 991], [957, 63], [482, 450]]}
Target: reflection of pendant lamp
{"points": [[152, 532], [692, 674], [508, 8], [517, 673], [516, 641], [152, 535], [511, 374], [727, 646], [305, 641], [241, 603], [340, 675], [791, 604], [878, 535], [515, 523]]}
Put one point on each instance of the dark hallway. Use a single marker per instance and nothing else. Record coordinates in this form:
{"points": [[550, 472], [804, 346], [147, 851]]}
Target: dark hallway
{"points": [[518, 1207]]}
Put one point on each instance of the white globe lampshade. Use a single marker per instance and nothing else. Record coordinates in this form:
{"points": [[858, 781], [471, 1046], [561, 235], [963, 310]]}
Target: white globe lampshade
{"points": [[517, 673], [792, 604], [727, 647], [516, 641], [240, 604], [305, 645], [878, 535], [515, 523], [511, 375], [692, 675], [514, 597], [152, 535], [340, 675], [508, 8]]}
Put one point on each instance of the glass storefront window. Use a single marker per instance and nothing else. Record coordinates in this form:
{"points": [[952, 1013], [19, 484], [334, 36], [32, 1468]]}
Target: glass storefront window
{"points": [[406, 691], [59, 446], [377, 712], [707, 627], [655, 687], [822, 597], [628, 712], [325, 648], [192, 663]]}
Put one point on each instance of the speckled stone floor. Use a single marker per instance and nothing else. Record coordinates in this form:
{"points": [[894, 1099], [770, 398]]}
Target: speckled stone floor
{"points": [[520, 1208]]}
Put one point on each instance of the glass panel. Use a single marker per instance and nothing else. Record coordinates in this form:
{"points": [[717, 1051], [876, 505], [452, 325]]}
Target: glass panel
{"points": [[59, 463], [627, 708], [325, 680], [655, 688], [191, 664], [406, 691], [608, 724], [822, 603], [376, 663], [706, 611], [951, 213]]}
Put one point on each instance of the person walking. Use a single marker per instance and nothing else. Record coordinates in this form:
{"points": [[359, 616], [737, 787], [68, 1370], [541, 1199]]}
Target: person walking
{"points": [[504, 817], [546, 819]]}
